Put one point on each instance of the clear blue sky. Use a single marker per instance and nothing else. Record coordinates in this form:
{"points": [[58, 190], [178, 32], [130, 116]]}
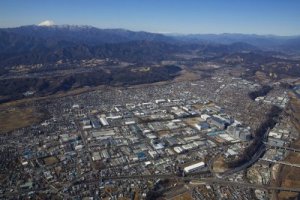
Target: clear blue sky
{"points": [[280, 17]]}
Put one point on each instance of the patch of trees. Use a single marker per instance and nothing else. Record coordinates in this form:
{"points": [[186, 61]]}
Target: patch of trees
{"points": [[135, 51], [261, 92], [13, 89], [286, 85], [158, 189]]}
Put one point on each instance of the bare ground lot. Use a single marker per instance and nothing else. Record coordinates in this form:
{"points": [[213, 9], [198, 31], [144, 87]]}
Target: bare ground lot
{"points": [[290, 176], [19, 117]]}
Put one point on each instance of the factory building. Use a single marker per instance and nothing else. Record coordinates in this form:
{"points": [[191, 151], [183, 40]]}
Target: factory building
{"points": [[239, 133], [95, 123], [178, 150], [205, 116], [103, 121], [171, 141], [194, 167], [202, 126], [217, 122], [157, 144], [160, 101]]}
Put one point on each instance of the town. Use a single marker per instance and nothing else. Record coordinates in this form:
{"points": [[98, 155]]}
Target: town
{"points": [[172, 139]]}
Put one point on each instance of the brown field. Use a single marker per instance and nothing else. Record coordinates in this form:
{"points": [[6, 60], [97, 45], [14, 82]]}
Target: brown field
{"points": [[261, 77], [2, 177], [186, 75], [185, 196], [295, 107], [193, 121], [57, 95], [198, 106], [15, 118], [163, 133], [50, 160], [290, 176], [176, 192], [219, 165]]}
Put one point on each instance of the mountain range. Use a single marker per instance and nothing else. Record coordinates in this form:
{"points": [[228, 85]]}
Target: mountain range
{"points": [[265, 42], [40, 44]]}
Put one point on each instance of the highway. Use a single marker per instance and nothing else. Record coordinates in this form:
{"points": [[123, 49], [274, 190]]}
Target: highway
{"points": [[205, 180], [255, 158], [194, 177]]}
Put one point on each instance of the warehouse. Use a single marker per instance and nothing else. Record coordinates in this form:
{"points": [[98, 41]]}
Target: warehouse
{"points": [[103, 121], [217, 122], [194, 167], [202, 126]]}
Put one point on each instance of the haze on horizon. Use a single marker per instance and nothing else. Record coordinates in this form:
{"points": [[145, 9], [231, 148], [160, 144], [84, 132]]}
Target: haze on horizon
{"points": [[168, 16]]}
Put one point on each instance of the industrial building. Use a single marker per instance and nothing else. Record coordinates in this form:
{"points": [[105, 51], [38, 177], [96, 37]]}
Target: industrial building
{"points": [[95, 123], [103, 121], [194, 167], [217, 122], [202, 126], [239, 133]]}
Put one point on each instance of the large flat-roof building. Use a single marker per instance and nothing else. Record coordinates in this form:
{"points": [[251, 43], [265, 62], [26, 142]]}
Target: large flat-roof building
{"points": [[194, 167], [217, 122]]}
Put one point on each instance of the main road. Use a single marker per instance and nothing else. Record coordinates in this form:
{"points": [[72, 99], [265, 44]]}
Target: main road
{"points": [[204, 180]]}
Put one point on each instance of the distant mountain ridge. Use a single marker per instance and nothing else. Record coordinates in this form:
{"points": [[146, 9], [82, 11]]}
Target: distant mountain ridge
{"points": [[42, 44], [85, 34], [266, 42]]}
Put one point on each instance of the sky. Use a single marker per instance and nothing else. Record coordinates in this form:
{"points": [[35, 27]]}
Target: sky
{"points": [[278, 17]]}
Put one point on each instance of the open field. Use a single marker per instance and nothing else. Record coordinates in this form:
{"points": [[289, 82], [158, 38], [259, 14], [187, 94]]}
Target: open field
{"points": [[219, 165], [15, 118], [187, 75], [50, 160], [186, 196], [193, 121], [290, 176]]}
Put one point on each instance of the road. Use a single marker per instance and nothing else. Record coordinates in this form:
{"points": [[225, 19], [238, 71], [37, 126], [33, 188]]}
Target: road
{"points": [[281, 162], [255, 158], [204, 180], [285, 148], [193, 177]]}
